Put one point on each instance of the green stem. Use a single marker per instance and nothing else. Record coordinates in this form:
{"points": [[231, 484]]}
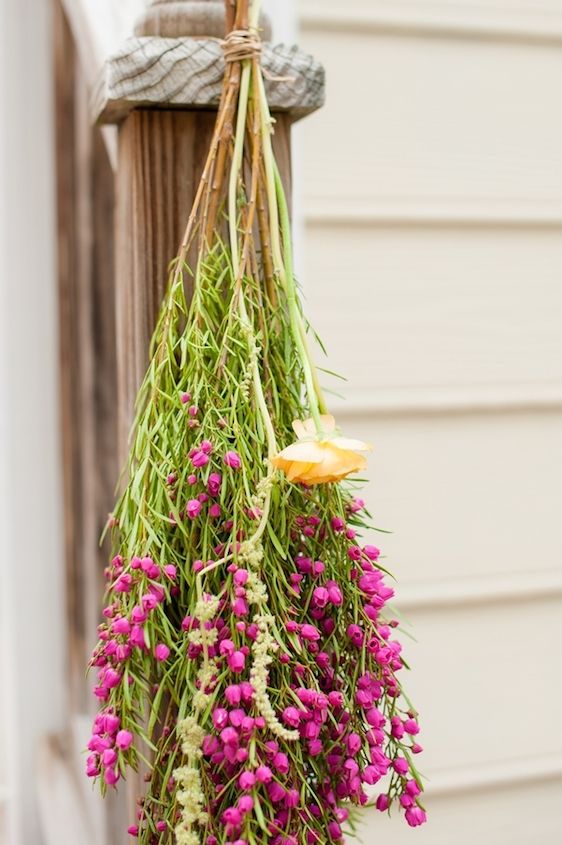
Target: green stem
{"points": [[290, 275], [237, 158], [283, 262]]}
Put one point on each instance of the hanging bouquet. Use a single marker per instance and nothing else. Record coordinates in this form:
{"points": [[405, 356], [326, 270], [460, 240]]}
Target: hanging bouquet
{"points": [[246, 665]]}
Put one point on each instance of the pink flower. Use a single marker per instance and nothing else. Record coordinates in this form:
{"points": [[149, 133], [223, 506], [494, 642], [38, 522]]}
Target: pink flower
{"points": [[215, 511], [245, 804], [264, 774], [111, 678], [138, 615], [123, 740], [199, 459], [315, 747], [109, 757], [193, 508], [170, 571], [309, 632], [275, 792], [236, 661], [233, 695], [161, 652], [240, 607], [220, 718], [111, 723], [400, 765], [334, 593], [292, 798], [353, 744], [370, 775], [321, 596], [241, 577], [232, 460], [318, 568], [280, 763], [226, 647], [123, 583], [355, 634], [121, 626], [291, 716], [411, 727], [412, 787], [334, 830], [214, 484], [137, 637], [111, 777], [415, 816], [246, 780], [382, 802], [92, 768], [232, 816]]}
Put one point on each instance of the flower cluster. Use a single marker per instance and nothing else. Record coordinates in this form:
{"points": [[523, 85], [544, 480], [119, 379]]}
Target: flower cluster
{"points": [[294, 715]]}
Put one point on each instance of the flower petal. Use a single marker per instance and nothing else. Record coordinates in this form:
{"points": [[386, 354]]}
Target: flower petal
{"points": [[351, 445], [303, 451]]}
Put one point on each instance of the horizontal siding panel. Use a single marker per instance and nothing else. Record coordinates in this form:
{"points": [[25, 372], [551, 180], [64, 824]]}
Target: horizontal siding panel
{"points": [[498, 817], [526, 19], [410, 126], [466, 497], [483, 680], [429, 315]]}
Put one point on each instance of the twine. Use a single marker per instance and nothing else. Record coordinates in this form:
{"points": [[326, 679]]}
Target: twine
{"points": [[241, 44]]}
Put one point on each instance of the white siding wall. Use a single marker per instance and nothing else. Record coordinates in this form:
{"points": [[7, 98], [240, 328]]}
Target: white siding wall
{"points": [[433, 268], [32, 649]]}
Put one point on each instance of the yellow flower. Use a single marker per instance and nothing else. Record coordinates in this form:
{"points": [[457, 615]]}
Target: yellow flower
{"points": [[318, 459]]}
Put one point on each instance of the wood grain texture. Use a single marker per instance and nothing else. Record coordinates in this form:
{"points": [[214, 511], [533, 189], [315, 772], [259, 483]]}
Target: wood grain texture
{"points": [[188, 73], [88, 382], [87, 349]]}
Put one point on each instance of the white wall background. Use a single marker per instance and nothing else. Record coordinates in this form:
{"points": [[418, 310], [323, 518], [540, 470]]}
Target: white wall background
{"points": [[432, 193], [32, 651]]}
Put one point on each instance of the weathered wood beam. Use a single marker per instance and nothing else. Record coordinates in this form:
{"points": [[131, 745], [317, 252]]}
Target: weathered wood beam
{"points": [[188, 72]]}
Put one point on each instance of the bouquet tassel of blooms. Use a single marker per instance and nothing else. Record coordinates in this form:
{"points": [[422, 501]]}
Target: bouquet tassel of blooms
{"points": [[246, 662]]}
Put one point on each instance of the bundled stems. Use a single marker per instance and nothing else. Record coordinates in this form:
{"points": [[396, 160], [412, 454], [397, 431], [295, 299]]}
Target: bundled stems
{"points": [[247, 654]]}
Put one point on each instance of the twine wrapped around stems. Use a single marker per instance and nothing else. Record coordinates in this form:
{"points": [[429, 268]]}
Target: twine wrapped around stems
{"points": [[241, 44]]}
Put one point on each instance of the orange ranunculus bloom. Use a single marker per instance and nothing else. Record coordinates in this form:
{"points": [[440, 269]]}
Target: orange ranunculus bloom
{"points": [[315, 459]]}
